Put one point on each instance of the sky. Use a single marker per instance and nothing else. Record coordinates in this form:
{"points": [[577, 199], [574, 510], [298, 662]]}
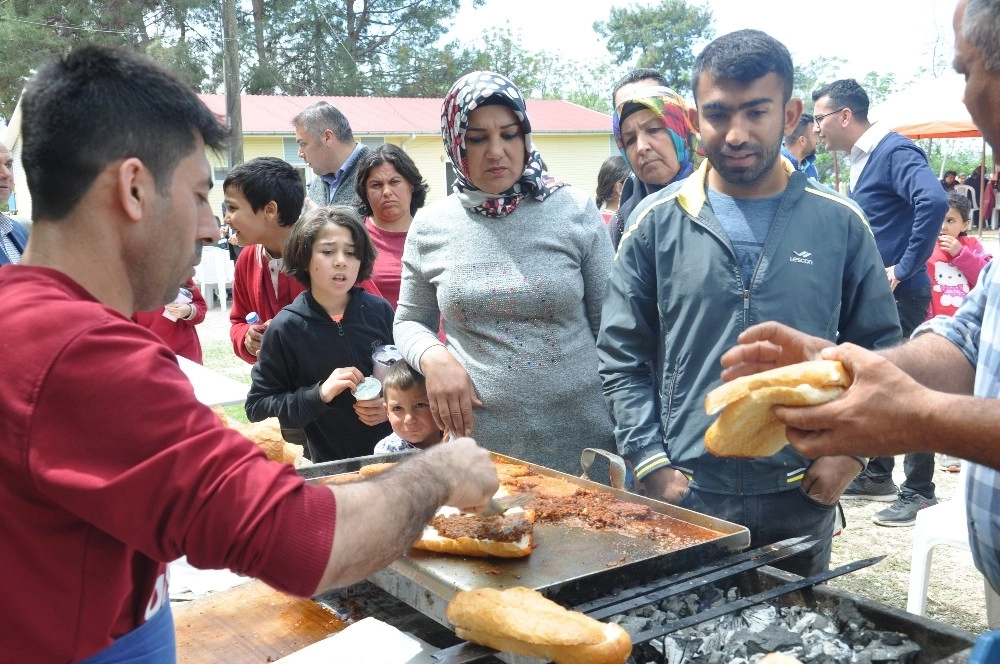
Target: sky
{"points": [[888, 36]]}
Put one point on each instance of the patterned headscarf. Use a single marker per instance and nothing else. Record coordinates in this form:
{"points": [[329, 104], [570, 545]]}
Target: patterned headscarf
{"points": [[469, 93], [668, 105]]}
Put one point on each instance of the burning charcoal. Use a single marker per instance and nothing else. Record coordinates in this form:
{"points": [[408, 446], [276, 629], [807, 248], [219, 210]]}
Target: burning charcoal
{"points": [[646, 611], [672, 606], [848, 617], [633, 624], [809, 621], [711, 597], [768, 639], [759, 617], [879, 652], [732, 594], [820, 648], [681, 649], [693, 604]]}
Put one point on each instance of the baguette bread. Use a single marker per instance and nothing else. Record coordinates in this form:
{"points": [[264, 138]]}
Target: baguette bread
{"points": [[522, 621], [746, 426], [373, 469], [267, 435], [510, 535]]}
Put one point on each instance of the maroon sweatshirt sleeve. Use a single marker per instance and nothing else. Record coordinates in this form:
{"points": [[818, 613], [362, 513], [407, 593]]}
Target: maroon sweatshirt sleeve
{"points": [[146, 464]]}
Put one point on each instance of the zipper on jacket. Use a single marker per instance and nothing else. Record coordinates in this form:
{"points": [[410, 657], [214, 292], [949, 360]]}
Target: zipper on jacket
{"points": [[340, 328], [746, 308]]}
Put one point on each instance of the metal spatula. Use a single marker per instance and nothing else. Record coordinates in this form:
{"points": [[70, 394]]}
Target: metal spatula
{"points": [[500, 505]]}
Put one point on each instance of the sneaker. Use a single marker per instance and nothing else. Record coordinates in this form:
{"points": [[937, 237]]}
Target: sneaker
{"points": [[903, 512], [865, 488], [950, 464]]}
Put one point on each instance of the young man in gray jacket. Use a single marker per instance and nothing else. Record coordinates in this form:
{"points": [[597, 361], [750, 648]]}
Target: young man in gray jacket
{"points": [[742, 240]]}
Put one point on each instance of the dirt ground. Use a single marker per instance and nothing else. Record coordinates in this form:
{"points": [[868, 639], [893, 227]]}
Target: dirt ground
{"points": [[955, 596]]}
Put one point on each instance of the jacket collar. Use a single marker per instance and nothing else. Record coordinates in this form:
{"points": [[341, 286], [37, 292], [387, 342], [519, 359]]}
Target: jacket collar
{"points": [[693, 192]]}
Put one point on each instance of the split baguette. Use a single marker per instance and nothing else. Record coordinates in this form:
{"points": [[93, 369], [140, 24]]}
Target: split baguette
{"points": [[747, 427], [522, 621], [432, 539], [267, 435]]}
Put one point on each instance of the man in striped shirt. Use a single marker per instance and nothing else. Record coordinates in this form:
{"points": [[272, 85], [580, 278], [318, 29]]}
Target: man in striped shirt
{"points": [[940, 391]]}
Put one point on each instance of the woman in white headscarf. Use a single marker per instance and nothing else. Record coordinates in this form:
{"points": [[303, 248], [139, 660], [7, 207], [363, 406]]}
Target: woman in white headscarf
{"points": [[516, 262]]}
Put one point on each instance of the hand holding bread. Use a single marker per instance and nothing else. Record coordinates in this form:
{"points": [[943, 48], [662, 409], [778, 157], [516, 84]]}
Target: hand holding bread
{"points": [[522, 621], [746, 426]]}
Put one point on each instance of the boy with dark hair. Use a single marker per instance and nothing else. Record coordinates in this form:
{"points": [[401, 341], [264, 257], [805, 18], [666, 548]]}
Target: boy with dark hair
{"points": [[264, 197], [744, 238]]}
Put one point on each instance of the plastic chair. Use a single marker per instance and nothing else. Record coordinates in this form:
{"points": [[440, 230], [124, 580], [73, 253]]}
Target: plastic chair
{"points": [[969, 193], [945, 523], [214, 274]]}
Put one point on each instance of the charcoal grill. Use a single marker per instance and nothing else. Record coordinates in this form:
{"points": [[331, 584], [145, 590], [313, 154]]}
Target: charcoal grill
{"points": [[612, 568]]}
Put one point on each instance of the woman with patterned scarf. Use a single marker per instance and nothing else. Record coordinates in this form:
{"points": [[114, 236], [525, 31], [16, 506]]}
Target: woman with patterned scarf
{"points": [[654, 135], [516, 262]]}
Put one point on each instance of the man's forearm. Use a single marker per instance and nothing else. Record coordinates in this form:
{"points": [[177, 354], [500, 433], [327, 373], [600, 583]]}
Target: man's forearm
{"points": [[965, 427], [934, 362], [378, 520]]}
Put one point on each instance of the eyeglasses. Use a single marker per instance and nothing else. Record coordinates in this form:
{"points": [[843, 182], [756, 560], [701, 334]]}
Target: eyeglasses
{"points": [[819, 118]]}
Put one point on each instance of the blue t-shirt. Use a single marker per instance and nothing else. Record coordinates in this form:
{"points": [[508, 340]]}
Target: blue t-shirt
{"points": [[747, 222]]}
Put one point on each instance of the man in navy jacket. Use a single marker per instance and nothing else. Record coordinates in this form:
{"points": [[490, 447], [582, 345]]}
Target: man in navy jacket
{"points": [[895, 187], [13, 236]]}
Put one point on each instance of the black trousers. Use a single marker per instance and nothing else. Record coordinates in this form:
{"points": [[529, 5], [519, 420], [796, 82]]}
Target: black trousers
{"points": [[772, 517], [917, 466]]}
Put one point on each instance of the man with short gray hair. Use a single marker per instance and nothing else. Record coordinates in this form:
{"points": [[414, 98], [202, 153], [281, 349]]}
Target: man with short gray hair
{"points": [[327, 144], [13, 236]]}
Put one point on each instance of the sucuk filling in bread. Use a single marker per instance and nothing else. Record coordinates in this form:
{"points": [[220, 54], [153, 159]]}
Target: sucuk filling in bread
{"points": [[505, 528]]}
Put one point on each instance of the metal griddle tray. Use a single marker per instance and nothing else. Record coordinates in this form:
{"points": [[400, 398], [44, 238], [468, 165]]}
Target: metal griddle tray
{"points": [[569, 564]]}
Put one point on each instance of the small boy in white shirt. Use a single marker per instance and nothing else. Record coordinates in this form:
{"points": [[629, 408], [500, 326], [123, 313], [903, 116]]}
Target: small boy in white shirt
{"points": [[405, 394]]}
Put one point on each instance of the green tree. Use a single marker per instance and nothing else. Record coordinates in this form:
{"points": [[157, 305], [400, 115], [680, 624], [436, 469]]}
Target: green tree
{"points": [[813, 75], [32, 31], [661, 37], [343, 47]]}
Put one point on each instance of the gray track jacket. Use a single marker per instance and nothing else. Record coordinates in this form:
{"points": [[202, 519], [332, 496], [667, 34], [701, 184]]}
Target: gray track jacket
{"points": [[675, 302]]}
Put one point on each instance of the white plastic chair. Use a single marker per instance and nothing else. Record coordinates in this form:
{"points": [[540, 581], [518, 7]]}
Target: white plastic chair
{"points": [[214, 273], [945, 523]]}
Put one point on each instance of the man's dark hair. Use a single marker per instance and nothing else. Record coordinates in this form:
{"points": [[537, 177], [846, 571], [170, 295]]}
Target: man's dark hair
{"points": [[267, 179], [387, 153], [744, 56], [805, 125], [96, 105], [635, 76], [299, 245], [954, 174], [846, 93], [322, 116]]}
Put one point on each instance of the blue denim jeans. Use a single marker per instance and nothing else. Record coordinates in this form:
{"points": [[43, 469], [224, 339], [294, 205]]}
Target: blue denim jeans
{"points": [[773, 517], [917, 466]]}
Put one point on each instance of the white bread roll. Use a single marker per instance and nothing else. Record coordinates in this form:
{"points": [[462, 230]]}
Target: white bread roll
{"points": [[747, 427], [522, 621]]}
